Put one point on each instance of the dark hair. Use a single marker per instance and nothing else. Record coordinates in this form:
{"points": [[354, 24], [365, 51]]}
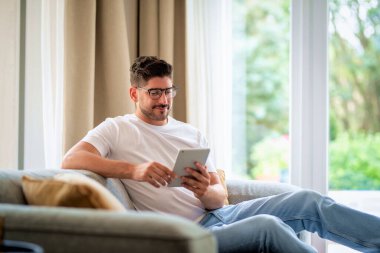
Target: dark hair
{"points": [[147, 67]]}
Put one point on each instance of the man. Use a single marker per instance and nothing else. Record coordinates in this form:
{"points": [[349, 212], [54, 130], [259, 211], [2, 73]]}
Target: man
{"points": [[140, 149]]}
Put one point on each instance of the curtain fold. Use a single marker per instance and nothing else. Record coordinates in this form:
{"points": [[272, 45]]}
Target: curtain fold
{"points": [[102, 38], [79, 68], [159, 29], [179, 60], [96, 65], [111, 62]]}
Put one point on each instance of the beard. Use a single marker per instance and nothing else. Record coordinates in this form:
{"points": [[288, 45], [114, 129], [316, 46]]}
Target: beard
{"points": [[155, 114]]}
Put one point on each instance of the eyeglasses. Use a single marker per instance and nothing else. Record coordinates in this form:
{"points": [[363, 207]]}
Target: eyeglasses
{"points": [[156, 93]]}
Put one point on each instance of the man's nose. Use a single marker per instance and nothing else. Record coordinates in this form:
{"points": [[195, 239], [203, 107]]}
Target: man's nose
{"points": [[163, 99]]}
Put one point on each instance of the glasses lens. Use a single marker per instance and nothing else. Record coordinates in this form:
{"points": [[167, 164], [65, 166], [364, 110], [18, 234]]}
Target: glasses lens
{"points": [[170, 93], [155, 93]]}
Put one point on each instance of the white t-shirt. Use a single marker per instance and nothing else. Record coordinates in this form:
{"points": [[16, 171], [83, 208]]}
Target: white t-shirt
{"points": [[130, 139]]}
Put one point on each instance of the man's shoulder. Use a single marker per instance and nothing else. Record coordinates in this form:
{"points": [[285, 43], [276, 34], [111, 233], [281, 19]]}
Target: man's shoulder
{"points": [[175, 122], [118, 122], [185, 128], [120, 119]]}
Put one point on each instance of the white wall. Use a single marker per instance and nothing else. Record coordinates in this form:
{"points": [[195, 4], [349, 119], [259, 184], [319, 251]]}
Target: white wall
{"points": [[9, 79]]}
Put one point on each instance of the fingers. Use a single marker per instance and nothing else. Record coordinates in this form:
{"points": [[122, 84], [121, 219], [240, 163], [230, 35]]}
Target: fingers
{"points": [[156, 179], [196, 187], [198, 181], [199, 192], [152, 181], [202, 169], [156, 174], [195, 183], [163, 171], [201, 174]]}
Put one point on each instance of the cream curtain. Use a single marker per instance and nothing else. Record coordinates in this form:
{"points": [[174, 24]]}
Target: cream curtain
{"points": [[157, 27], [96, 65], [101, 39]]}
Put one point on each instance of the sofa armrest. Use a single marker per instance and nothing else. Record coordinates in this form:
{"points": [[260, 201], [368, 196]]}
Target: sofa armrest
{"points": [[241, 190], [88, 230]]}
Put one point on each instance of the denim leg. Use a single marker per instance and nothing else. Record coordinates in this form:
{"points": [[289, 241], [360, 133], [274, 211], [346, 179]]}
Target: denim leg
{"points": [[260, 233], [308, 210]]}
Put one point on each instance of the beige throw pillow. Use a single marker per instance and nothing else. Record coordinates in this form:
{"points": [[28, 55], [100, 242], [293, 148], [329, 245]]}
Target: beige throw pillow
{"points": [[222, 178], [69, 190]]}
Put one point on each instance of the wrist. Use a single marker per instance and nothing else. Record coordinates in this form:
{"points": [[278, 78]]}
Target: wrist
{"points": [[124, 170], [212, 198]]}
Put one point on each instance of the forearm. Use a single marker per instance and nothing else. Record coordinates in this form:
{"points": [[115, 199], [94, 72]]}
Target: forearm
{"points": [[214, 197], [100, 165]]}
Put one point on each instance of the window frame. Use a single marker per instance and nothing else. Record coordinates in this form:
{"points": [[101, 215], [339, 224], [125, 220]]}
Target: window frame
{"points": [[309, 98]]}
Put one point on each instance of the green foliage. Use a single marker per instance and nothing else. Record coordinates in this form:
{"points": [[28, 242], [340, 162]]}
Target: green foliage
{"points": [[267, 69], [264, 36], [355, 95], [355, 162], [263, 31], [270, 157], [355, 58]]}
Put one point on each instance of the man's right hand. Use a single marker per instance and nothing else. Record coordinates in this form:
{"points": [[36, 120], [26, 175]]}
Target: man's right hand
{"points": [[153, 173]]}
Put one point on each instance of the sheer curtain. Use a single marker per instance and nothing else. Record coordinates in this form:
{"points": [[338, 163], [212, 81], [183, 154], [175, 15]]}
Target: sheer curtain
{"points": [[52, 33], [209, 77]]}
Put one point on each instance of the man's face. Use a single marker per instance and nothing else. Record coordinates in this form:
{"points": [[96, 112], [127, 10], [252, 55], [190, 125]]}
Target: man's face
{"points": [[153, 111]]}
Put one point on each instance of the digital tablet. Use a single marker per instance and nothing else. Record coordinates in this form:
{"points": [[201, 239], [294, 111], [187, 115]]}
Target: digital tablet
{"points": [[186, 159]]}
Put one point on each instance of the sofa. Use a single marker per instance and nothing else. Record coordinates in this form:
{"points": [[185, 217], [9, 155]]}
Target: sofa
{"points": [[74, 230]]}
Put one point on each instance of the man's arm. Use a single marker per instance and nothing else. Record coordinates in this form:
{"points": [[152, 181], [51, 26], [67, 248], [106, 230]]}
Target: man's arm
{"points": [[206, 186], [85, 156]]}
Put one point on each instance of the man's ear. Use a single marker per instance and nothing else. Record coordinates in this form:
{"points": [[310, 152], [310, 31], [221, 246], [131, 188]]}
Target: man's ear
{"points": [[133, 94]]}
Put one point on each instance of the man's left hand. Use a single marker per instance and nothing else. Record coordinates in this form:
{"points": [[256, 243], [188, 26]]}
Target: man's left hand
{"points": [[198, 180]]}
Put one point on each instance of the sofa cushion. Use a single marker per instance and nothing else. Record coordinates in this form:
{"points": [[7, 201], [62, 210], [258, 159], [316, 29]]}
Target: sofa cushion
{"points": [[117, 188], [69, 190], [11, 191], [10, 182], [10, 187]]}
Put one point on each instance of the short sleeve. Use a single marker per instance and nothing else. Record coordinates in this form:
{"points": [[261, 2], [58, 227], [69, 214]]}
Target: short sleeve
{"points": [[103, 137]]}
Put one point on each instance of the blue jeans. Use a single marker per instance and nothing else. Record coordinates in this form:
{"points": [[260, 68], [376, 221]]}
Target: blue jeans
{"points": [[270, 224]]}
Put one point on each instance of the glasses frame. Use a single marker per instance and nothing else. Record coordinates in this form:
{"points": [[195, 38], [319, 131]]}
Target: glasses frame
{"points": [[162, 91]]}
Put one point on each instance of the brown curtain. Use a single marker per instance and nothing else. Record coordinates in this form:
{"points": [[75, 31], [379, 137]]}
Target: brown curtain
{"points": [[102, 38]]}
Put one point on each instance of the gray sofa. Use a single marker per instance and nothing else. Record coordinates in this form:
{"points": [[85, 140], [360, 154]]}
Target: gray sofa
{"points": [[77, 230]]}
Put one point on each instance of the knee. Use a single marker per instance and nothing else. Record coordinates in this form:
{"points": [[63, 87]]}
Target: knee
{"points": [[267, 222], [271, 227], [307, 196]]}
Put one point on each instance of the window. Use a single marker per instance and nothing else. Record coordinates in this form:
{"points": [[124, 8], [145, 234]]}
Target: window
{"points": [[261, 32], [354, 55], [353, 89]]}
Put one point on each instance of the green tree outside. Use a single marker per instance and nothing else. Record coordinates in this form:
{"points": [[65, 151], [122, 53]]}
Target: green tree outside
{"points": [[354, 94], [266, 44], [354, 51]]}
